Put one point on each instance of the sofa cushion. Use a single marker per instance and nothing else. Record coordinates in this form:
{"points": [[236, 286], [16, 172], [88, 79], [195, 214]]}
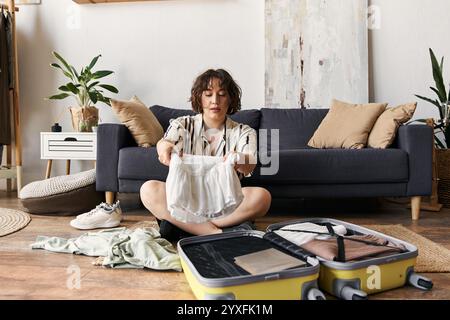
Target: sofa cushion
{"points": [[338, 166], [141, 122], [137, 163], [347, 125], [296, 126], [142, 164], [164, 114], [385, 129]]}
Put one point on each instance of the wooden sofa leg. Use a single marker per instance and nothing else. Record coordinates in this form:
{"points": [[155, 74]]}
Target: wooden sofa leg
{"points": [[110, 197], [415, 207]]}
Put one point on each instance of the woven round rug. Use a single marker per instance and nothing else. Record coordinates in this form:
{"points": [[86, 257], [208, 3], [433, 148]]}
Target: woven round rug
{"points": [[12, 221]]}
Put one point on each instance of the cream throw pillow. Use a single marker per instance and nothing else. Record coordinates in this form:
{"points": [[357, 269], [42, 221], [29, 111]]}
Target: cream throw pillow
{"points": [[346, 125], [385, 129], [141, 122]]}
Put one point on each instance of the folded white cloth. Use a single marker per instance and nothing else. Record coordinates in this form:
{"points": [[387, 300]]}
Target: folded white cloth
{"points": [[300, 238], [202, 188]]}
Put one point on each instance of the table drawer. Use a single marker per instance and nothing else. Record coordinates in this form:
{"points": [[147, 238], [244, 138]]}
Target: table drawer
{"points": [[76, 146]]}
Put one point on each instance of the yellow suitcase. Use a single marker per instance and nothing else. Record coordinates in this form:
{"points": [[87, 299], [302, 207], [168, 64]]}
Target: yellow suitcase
{"points": [[208, 264], [355, 280]]}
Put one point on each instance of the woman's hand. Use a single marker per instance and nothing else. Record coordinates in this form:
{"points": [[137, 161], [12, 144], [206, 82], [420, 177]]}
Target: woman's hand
{"points": [[242, 164], [164, 149]]}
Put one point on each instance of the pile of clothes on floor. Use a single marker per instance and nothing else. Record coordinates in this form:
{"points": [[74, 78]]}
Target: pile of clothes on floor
{"points": [[140, 247]]}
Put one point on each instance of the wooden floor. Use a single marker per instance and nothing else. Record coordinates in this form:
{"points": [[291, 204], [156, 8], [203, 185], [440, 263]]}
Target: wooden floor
{"points": [[38, 274]]}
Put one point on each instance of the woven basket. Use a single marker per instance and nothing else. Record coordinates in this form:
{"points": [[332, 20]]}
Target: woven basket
{"points": [[443, 162], [443, 171]]}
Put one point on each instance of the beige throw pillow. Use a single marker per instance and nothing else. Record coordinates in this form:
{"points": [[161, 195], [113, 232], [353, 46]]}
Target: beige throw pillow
{"points": [[141, 122], [346, 125], [385, 129]]}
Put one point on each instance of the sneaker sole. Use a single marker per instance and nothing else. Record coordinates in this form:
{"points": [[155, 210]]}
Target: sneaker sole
{"points": [[106, 225]]}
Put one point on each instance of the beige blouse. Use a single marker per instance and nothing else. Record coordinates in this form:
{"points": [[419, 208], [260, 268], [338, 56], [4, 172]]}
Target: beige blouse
{"points": [[188, 135]]}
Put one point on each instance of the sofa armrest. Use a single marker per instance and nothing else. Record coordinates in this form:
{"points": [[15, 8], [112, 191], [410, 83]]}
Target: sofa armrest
{"points": [[417, 141], [110, 139]]}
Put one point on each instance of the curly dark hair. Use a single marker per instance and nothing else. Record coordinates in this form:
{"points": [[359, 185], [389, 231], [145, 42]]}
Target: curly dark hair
{"points": [[226, 82]]}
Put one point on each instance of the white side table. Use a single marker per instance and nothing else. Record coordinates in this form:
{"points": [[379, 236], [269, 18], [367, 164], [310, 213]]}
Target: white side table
{"points": [[67, 146]]}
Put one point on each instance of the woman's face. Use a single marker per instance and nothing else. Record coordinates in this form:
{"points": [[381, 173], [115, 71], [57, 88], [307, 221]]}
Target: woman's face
{"points": [[215, 101]]}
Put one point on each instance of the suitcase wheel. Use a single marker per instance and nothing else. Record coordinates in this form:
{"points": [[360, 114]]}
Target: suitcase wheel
{"points": [[419, 281], [315, 294], [349, 293]]}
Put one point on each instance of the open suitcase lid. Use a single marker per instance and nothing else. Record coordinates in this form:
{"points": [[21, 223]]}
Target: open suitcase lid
{"points": [[411, 250]]}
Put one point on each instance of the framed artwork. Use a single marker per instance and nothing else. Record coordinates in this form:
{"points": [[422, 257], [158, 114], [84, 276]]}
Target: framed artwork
{"points": [[315, 51]]}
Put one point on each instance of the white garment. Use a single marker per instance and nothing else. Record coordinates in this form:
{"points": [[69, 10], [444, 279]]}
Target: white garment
{"points": [[300, 238], [202, 188]]}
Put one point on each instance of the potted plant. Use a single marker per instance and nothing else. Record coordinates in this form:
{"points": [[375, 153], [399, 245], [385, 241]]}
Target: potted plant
{"points": [[441, 128], [87, 90]]}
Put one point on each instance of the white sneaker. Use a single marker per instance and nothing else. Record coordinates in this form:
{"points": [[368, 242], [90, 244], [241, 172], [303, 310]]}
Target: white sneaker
{"points": [[102, 216]]}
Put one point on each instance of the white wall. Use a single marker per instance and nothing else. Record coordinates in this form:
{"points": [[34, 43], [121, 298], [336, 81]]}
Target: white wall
{"points": [[156, 49], [401, 64]]}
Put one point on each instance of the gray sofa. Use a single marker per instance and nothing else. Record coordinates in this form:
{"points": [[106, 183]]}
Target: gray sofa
{"points": [[403, 170]]}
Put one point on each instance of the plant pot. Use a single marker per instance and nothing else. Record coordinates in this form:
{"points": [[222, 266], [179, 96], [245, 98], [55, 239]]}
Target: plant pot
{"points": [[84, 118], [443, 173]]}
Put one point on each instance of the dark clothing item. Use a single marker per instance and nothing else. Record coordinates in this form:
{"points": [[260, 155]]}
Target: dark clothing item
{"points": [[9, 41], [5, 106], [171, 232]]}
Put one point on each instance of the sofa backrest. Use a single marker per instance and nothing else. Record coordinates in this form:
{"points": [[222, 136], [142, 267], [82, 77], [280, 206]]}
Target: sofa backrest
{"points": [[296, 126], [164, 114]]}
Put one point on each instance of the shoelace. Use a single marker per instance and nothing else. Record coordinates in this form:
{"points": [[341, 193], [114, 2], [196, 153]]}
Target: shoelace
{"points": [[96, 209]]}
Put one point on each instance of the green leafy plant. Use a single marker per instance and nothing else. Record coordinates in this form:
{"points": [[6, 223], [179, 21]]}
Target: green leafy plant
{"points": [[441, 102], [84, 86]]}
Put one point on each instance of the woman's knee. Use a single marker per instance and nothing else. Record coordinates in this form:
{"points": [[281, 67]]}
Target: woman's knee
{"points": [[149, 190], [261, 200], [265, 200]]}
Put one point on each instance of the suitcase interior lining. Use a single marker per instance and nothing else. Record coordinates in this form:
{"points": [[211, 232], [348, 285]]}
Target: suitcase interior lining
{"points": [[215, 259]]}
